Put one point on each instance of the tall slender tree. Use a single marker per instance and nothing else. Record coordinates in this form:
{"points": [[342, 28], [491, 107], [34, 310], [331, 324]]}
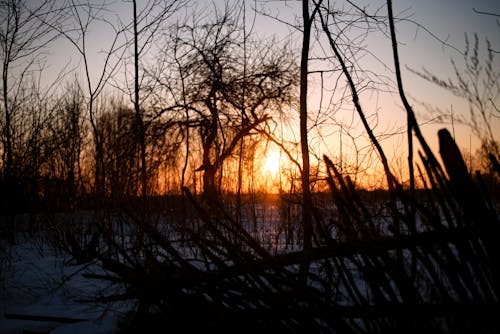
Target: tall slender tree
{"points": [[307, 206], [79, 20], [146, 23], [24, 35]]}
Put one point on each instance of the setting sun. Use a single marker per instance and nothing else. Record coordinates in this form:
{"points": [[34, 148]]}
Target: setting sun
{"points": [[272, 164]]}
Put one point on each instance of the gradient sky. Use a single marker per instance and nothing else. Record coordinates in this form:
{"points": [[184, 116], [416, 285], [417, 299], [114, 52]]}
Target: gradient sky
{"points": [[448, 20]]}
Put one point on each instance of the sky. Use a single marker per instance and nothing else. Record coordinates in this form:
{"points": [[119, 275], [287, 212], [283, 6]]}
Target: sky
{"points": [[450, 21], [421, 35], [425, 25]]}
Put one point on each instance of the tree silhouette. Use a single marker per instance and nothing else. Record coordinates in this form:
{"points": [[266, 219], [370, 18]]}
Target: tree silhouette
{"points": [[212, 71], [24, 35]]}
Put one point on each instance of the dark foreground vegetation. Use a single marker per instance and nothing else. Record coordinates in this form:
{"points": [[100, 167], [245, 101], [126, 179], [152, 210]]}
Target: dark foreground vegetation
{"points": [[380, 262], [417, 265]]}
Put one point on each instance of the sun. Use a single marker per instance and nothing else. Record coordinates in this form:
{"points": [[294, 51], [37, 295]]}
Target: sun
{"points": [[272, 164]]}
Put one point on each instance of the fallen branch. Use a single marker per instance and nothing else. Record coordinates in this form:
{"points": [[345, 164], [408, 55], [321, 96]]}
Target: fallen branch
{"points": [[32, 317]]}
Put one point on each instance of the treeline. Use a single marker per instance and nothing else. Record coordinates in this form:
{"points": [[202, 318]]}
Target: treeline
{"points": [[178, 98], [197, 104]]}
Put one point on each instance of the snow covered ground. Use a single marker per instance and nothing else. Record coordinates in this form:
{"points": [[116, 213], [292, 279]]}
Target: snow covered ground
{"points": [[37, 283]]}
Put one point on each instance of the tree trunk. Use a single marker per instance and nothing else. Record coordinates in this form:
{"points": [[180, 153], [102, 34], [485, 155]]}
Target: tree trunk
{"points": [[7, 141], [140, 125], [306, 191]]}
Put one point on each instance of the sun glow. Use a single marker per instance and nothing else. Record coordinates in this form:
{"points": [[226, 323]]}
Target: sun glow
{"points": [[272, 164]]}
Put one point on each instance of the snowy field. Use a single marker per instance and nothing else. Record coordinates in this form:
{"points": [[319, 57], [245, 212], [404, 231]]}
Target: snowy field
{"points": [[40, 292], [43, 290]]}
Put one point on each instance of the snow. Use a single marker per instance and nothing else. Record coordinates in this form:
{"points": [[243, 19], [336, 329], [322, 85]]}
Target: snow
{"points": [[37, 281]]}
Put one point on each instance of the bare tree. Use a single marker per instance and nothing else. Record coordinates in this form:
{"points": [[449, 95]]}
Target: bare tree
{"points": [[24, 36], [146, 25], [65, 143], [79, 18], [24, 39], [326, 14], [307, 207], [120, 151], [211, 60]]}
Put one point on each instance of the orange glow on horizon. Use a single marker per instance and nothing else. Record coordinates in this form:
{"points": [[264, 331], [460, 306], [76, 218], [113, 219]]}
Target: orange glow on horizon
{"points": [[272, 164]]}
